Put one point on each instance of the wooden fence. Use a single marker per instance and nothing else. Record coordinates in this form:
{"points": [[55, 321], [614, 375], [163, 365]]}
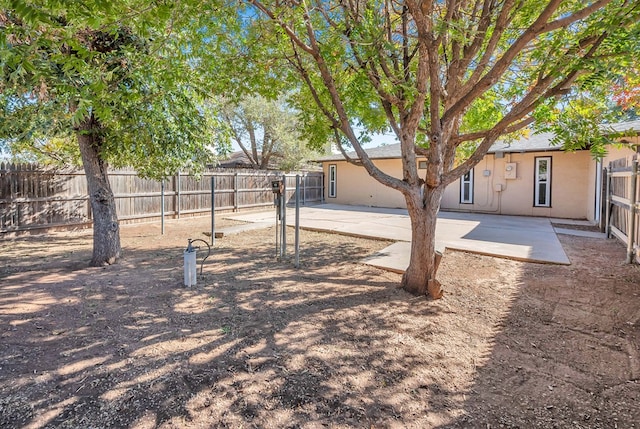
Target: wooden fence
{"points": [[35, 198], [623, 204]]}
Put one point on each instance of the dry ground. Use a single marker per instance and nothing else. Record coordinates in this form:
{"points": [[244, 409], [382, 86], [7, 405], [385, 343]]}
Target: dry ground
{"points": [[258, 343]]}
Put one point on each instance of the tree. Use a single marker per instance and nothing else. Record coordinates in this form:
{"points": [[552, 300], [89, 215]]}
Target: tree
{"points": [[441, 75], [121, 80], [267, 132], [626, 92]]}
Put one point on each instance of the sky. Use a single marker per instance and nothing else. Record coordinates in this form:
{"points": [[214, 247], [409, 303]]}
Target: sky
{"points": [[382, 139], [376, 140]]}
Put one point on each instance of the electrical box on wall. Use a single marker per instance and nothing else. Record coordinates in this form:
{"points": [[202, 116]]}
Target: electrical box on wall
{"points": [[510, 170], [497, 187]]}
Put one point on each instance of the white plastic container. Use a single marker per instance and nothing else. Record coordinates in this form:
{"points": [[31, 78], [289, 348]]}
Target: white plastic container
{"points": [[190, 267]]}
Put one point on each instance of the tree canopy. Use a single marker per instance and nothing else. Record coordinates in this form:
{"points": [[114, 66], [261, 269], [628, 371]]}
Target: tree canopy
{"points": [[267, 132], [119, 83], [130, 81], [442, 75], [135, 67]]}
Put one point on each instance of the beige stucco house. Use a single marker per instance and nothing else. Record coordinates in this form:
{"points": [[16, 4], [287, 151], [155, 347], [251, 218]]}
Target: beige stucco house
{"points": [[528, 177]]}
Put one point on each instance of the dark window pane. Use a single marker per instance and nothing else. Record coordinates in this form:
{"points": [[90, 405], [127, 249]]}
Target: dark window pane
{"points": [[542, 194]]}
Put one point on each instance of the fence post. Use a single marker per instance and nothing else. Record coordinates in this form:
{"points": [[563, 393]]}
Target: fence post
{"points": [[297, 235], [213, 209], [608, 202], [15, 194], [177, 194], [283, 245], [235, 192], [632, 211], [304, 188], [162, 207], [602, 222]]}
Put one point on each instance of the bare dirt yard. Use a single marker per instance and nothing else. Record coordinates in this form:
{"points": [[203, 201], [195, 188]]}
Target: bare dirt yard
{"points": [[260, 344]]}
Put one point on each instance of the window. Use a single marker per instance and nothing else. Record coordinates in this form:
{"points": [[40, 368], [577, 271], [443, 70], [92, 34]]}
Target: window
{"points": [[542, 190], [422, 165], [466, 188], [332, 180]]}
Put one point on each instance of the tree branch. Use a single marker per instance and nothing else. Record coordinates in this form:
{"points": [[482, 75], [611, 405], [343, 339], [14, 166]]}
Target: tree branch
{"points": [[483, 134], [314, 92], [473, 90], [509, 123], [292, 35], [344, 124], [484, 22]]}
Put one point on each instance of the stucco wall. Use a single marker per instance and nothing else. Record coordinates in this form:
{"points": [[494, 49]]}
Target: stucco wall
{"points": [[574, 184], [356, 187], [615, 152], [571, 186]]}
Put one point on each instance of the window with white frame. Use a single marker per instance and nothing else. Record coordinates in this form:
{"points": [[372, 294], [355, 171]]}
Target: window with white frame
{"points": [[466, 188], [542, 186], [332, 180]]}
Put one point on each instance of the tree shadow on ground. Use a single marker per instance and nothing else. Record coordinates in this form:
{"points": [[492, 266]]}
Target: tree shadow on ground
{"points": [[256, 342], [334, 343], [567, 354]]}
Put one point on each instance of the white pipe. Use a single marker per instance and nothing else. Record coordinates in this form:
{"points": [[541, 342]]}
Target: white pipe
{"points": [[190, 267]]}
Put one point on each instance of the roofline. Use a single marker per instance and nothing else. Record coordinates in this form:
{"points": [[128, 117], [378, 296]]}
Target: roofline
{"points": [[547, 149], [339, 157], [633, 131]]}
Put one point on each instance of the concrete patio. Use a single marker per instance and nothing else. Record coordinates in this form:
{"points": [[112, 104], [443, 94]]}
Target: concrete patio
{"points": [[514, 237]]}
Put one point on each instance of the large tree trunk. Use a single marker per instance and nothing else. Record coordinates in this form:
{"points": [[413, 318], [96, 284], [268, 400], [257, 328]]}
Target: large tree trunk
{"points": [[106, 231], [420, 276]]}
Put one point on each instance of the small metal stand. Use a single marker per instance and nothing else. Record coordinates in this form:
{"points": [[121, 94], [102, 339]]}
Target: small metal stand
{"points": [[297, 234], [279, 189], [213, 210], [279, 192]]}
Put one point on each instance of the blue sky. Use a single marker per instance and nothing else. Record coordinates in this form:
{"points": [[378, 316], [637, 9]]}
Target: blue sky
{"points": [[376, 140], [380, 139]]}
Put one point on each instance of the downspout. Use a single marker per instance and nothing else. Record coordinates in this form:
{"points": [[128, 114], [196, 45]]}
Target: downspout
{"points": [[598, 191]]}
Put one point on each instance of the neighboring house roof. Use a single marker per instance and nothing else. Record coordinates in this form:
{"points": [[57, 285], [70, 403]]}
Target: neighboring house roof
{"points": [[625, 126], [240, 160], [389, 151], [535, 142]]}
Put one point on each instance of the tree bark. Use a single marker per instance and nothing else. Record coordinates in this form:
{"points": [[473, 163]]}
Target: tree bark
{"points": [[420, 276], [106, 231]]}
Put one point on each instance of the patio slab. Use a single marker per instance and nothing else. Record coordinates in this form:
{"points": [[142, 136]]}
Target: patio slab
{"points": [[514, 237]]}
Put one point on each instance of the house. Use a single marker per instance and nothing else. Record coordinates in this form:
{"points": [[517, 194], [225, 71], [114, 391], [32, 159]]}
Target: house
{"points": [[239, 159], [528, 177]]}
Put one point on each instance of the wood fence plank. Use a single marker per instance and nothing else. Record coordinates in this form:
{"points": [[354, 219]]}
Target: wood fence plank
{"points": [[623, 210], [33, 197]]}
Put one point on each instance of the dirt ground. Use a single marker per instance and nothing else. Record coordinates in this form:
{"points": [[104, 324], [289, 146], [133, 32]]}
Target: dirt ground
{"points": [[261, 344]]}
